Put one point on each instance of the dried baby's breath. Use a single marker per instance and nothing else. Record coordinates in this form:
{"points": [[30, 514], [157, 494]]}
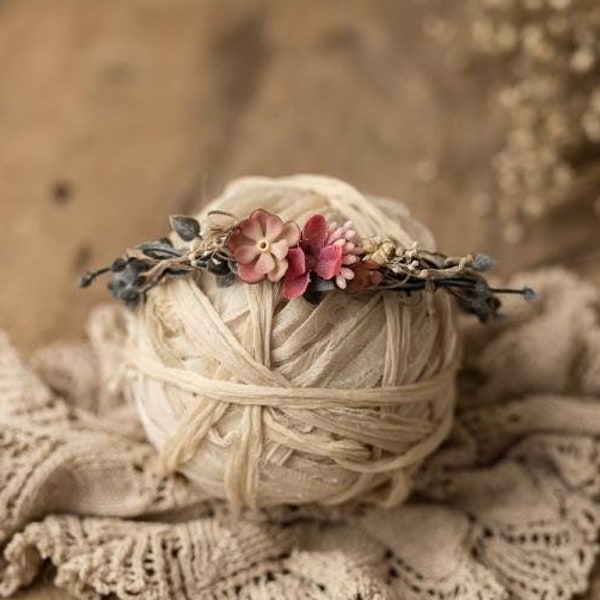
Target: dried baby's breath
{"points": [[550, 52]]}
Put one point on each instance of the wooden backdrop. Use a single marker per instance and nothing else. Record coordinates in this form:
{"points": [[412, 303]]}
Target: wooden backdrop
{"points": [[115, 114]]}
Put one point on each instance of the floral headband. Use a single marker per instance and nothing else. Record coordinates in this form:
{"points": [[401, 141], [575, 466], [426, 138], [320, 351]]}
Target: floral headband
{"points": [[308, 262]]}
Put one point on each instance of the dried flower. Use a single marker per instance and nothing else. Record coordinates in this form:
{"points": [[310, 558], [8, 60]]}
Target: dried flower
{"points": [[260, 243], [320, 258], [379, 249], [297, 276], [367, 274], [483, 262], [549, 54], [347, 237]]}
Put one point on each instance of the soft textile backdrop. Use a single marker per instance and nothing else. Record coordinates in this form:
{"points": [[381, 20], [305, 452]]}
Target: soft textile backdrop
{"points": [[114, 115]]}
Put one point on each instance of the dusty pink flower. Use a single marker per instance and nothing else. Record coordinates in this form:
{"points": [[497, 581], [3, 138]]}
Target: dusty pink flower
{"points": [[315, 255], [352, 250], [260, 244], [297, 277], [366, 274]]}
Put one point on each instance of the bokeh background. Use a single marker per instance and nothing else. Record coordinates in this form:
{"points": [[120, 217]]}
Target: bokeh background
{"points": [[115, 114]]}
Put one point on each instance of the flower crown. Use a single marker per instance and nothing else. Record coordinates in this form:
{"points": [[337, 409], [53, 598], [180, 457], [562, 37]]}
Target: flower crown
{"points": [[308, 262]]}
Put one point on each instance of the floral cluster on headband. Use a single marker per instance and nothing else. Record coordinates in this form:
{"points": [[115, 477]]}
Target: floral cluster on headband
{"points": [[307, 262]]}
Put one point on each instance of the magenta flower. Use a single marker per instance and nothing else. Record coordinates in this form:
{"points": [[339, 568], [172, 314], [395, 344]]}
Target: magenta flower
{"points": [[260, 244], [315, 255]]}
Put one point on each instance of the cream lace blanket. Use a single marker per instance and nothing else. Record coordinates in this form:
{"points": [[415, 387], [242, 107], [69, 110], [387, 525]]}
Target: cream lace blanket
{"points": [[508, 506]]}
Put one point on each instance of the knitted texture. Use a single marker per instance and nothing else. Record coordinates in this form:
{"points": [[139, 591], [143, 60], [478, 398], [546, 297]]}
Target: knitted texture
{"points": [[508, 506], [265, 402]]}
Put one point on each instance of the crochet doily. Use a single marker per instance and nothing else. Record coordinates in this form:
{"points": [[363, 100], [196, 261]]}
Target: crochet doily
{"points": [[507, 507]]}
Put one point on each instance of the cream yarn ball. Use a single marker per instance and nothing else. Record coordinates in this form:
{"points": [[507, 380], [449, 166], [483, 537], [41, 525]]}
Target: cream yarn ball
{"points": [[263, 401]]}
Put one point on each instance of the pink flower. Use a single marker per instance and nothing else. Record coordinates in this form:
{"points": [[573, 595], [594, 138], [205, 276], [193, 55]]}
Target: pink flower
{"points": [[260, 244], [297, 277], [315, 255], [352, 250], [366, 274]]}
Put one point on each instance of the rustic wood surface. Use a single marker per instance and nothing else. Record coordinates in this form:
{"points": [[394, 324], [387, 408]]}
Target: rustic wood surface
{"points": [[115, 114]]}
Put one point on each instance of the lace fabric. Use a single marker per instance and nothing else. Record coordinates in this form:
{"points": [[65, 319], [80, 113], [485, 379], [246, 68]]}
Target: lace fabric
{"points": [[507, 507]]}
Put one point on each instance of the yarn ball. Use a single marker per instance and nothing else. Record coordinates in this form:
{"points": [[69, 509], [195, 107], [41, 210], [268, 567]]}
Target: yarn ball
{"points": [[264, 401]]}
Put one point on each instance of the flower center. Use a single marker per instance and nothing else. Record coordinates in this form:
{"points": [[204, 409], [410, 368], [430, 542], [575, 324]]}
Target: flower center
{"points": [[264, 245]]}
